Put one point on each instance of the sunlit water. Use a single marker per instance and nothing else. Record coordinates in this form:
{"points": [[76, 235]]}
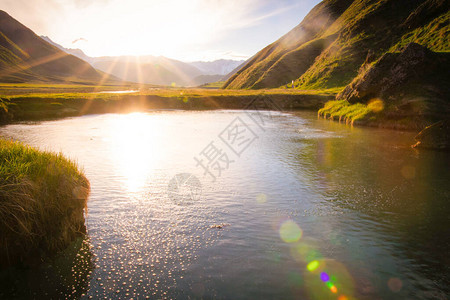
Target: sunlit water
{"points": [[309, 209]]}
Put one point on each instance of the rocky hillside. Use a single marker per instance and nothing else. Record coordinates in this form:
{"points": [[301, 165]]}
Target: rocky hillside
{"points": [[328, 47], [25, 57], [412, 86]]}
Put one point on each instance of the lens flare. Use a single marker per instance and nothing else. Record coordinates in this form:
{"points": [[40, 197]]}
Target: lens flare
{"points": [[376, 105], [305, 250], [326, 279], [290, 232], [312, 265], [324, 276], [395, 284], [261, 198]]}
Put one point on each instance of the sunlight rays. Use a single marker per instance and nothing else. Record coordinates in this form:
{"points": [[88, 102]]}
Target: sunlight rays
{"points": [[103, 79], [108, 72], [29, 65]]}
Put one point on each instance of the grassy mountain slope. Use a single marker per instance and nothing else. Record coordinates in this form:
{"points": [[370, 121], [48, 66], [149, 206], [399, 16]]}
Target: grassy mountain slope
{"points": [[330, 44], [24, 56], [318, 20], [406, 90]]}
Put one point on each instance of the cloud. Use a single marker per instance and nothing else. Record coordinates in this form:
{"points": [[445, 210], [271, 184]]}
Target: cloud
{"points": [[79, 40], [156, 27], [85, 3]]}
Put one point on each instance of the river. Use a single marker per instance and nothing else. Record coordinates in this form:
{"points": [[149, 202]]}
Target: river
{"points": [[246, 204]]}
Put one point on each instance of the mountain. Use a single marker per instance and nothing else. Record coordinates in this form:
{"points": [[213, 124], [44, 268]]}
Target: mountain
{"points": [[75, 52], [328, 47], [217, 67], [25, 57], [235, 70], [411, 86], [205, 79], [156, 69], [148, 69]]}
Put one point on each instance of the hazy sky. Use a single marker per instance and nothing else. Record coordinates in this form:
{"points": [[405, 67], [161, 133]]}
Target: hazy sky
{"points": [[182, 29]]}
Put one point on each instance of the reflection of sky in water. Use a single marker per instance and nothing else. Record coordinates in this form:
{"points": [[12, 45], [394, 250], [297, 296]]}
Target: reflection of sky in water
{"points": [[312, 209]]}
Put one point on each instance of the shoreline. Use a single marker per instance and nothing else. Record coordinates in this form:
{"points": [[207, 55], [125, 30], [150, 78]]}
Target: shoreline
{"points": [[43, 200], [44, 107]]}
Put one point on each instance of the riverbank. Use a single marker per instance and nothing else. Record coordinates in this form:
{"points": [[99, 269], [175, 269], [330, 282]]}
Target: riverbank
{"points": [[372, 114], [43, 197], [28, 106], [389, 92]]}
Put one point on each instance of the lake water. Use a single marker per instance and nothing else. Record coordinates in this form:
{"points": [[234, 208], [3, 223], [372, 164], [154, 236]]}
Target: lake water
{"points": [[289, 207]]}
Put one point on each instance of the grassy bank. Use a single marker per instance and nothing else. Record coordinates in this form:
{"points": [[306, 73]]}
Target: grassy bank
{"points": [[374, 114], [350, 113], [42, 200], [39, 106]]}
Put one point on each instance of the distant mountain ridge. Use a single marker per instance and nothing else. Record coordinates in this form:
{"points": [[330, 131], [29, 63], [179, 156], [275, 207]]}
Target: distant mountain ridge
{"points": [[156, 69], [217, 67], [73, 51], [25, 57], [327, 48]]}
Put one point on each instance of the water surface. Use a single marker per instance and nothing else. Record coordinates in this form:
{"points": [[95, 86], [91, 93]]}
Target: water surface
{"points": [[302, 209]]}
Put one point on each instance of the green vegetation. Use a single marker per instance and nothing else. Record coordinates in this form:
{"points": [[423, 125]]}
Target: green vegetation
{"points": [[25, 57], [350, 113], [92, 92], [42, 199], [21, 103], [436, 35], [213, 85], [52, 88], [329, 46]]}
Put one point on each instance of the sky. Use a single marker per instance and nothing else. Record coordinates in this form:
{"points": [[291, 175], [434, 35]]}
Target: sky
{"points": [[188, 30]]}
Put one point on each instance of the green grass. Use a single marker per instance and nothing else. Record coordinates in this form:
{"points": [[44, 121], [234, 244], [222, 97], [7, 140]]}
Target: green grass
{"points": [[435, 35], [213, 85], [46, 88], [40, 101], [342, 110], [20, 103], [42, 90], [332, 56], [166, 92], [42, 199]]}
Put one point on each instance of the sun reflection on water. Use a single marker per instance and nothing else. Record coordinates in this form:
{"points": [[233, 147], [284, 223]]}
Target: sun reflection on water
{"points": [[132, 138]]}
